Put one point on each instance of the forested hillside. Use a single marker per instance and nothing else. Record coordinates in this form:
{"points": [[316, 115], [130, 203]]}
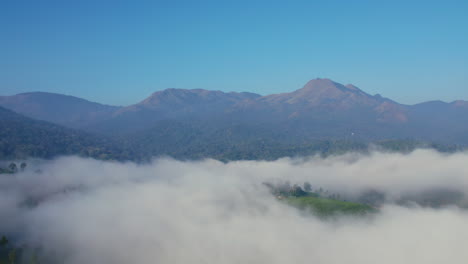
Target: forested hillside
{"points": [[22, 137]]}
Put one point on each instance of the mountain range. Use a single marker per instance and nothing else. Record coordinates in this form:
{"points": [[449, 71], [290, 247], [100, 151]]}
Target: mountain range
{"points": [[197, 118]]}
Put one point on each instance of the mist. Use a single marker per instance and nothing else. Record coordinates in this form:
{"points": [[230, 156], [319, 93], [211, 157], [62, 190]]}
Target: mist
{"points": [[88, 211]]}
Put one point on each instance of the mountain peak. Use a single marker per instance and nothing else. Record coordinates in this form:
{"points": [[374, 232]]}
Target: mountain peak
{"points": [[320, 82], [323, 92]]}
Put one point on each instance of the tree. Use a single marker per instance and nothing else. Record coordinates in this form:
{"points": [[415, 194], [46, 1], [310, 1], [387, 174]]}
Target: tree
{"points": [[23, 165], [3, 241], [13, 167], [307, 187], [284, 188], [12, 256], [297, 191], [33, 259]]}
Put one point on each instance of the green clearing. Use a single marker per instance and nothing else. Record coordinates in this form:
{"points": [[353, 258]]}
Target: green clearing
{"points": [[326, 207]]}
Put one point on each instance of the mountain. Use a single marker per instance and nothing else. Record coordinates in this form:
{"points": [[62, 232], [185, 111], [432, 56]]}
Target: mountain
{"points": [[22, 137], [323, 98], [324, 92], [60, 109]]}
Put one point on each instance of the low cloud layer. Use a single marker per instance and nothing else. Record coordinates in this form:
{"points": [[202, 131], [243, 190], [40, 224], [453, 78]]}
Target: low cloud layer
{"points": [[87, 211]]}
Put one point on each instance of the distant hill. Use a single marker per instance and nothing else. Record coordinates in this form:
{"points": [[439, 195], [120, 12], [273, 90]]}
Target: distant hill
{"points": [[22, 137], [61, 109]]}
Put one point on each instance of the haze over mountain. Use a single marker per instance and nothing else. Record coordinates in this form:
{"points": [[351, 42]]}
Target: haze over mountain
{"points": [[197, 118]]}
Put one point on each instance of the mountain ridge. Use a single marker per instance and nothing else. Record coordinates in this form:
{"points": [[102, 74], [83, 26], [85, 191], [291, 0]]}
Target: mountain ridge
{"points": [[350, 87]]}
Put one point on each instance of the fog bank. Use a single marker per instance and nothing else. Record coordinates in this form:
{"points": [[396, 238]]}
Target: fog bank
{"points": [[87, 211]]}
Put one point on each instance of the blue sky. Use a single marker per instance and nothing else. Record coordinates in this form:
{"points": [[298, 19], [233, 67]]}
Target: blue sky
{"points": [[119, 52]]}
